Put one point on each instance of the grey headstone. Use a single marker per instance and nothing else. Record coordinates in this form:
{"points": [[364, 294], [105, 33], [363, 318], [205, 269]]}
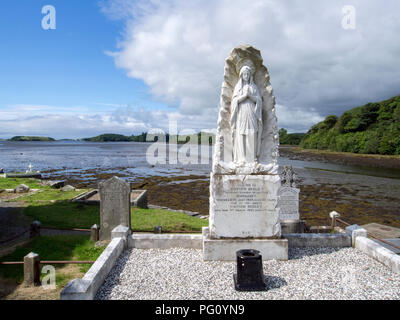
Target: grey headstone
{"points": [[115, 206], [289, 203]]}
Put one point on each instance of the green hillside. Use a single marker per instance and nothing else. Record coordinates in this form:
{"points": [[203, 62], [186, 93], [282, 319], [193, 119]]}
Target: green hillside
{"points": [[289, 138], [373, 128]]}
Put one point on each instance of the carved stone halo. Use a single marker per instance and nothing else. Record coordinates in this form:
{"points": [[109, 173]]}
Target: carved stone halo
{"points": [[245, 62]]}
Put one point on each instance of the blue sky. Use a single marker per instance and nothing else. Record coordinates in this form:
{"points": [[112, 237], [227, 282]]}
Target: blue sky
{"points": [[126, 66], [63, 67]]}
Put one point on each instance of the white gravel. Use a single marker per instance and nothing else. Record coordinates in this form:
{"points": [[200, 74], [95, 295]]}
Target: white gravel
{"points": [[311, 273]]}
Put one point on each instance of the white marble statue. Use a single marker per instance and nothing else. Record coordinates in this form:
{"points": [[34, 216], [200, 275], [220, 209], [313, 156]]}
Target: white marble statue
{"points": [[244, 182], [246, 119], [247, 137]]}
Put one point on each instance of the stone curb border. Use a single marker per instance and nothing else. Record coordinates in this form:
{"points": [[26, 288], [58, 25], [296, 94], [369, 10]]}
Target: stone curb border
{"points": [[86, 288], [140, 201], [373, 249], [335, 240]]}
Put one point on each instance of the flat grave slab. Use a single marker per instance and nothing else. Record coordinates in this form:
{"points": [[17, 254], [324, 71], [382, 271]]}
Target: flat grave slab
{"points": [[382, 231]]}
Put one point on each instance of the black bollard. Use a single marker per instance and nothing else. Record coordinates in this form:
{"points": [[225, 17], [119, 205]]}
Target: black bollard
{"points": [[157, 229], [250, 276]]}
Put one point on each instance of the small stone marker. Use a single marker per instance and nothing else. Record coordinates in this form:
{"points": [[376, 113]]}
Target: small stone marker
{"points": [[67, 188], [31, 270], [22, 188], [115, 206], [94, 233]]}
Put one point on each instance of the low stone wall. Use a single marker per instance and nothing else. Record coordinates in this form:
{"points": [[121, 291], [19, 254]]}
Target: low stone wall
{"points": [[86, 288]]}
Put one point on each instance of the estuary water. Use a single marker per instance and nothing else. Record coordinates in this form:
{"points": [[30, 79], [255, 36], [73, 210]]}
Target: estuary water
{"points": [[129, 158], [361, 194]]}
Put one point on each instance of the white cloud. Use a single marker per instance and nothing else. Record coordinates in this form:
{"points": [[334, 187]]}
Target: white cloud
{"points": [[298, 120], [317, 68]]}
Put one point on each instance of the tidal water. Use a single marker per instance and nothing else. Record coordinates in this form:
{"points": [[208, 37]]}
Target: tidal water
{"points": [[129, 158]]}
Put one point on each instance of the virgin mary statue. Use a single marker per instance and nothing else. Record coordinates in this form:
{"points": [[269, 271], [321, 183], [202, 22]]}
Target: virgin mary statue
{"points": [[246, 119]]}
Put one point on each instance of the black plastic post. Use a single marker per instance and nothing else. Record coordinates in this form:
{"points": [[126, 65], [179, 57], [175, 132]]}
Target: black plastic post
{"points": [[250, 276]]}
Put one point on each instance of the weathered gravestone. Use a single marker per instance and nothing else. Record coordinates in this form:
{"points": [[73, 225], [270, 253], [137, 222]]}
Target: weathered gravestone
{"points": [[289, 203], [115, 206], [289, 195], [244, 184]]}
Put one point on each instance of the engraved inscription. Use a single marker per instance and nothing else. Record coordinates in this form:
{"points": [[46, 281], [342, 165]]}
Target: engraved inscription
{"points": [[289, 203], [244, 198]]}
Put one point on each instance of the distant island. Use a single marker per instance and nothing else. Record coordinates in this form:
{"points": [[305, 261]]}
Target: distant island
{"points": [[111, 137], [145, 137], [30, 138], [371, 129]]}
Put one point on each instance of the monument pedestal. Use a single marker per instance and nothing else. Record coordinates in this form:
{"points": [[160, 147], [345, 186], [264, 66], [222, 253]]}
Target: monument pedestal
{"points": [[225, 249], [244, 206]]}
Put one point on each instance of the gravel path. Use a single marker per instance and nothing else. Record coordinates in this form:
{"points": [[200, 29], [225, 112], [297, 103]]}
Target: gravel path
{"points": [[311, 273]]}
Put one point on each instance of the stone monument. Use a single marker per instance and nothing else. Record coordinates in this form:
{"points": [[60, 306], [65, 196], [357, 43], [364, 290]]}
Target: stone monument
{"points": [[115, 206], [244, 182]]}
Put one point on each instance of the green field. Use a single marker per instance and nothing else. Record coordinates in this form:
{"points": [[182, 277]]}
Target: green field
{"points": [[55, 248]]}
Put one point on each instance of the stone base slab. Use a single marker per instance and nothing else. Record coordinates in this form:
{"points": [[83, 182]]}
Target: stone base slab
{"points": [[225, 249], [165, 241], [336, 240]]}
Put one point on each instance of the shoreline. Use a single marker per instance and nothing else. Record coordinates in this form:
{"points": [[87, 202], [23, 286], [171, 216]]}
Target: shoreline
{"points": [[346, 158]]}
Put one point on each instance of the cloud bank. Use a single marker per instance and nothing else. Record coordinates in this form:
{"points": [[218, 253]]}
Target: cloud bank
{"points": [[317, 68], [178, 48]]}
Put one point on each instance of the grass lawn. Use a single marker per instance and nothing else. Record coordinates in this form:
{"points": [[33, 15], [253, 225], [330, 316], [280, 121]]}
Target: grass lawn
{"points": [[147, 219], [12, 183], [48, 195], [53, 208], [61, 247], [66, 214]]}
